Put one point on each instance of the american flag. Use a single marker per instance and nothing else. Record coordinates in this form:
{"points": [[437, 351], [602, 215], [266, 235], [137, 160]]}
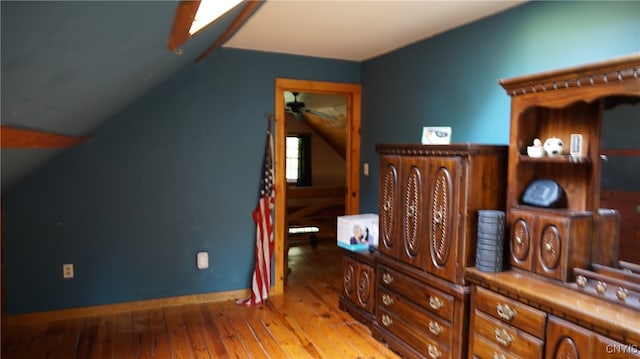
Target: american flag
{"points": [[264, 231]]}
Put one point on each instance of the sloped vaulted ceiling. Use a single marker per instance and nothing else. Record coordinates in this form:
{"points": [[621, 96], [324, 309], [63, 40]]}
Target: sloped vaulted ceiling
{"points": [[67, 66]]}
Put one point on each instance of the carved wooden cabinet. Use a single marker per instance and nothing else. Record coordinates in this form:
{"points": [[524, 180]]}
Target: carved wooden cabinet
{"points": [[358, 284], [567, 104], [429, 196]]}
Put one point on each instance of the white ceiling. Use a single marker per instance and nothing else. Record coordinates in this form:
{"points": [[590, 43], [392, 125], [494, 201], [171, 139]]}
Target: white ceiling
{"points": [[354, 30]]}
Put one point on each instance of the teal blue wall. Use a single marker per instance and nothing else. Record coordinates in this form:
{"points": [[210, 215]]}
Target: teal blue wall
{"points": [[451, 79], [174, 173]]}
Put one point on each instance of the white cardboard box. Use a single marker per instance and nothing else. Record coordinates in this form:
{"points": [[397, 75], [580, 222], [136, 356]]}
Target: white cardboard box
{"points": [[358, 232]]}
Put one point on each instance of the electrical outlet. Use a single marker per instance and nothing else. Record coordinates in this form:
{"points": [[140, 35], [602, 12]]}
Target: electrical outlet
{"points": [[67, 271], [365, 169]]}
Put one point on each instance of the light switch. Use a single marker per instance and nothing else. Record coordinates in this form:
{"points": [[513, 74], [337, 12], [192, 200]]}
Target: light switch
{"points": [[365, 169], [202, 260]]}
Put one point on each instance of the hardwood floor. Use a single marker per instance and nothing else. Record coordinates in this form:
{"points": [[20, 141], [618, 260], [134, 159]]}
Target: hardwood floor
{"points": [[305, 322]]}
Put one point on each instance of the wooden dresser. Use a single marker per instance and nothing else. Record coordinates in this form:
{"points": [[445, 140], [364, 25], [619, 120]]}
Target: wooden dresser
{"points": [[516, 314], [429, 196], [566, 295]]}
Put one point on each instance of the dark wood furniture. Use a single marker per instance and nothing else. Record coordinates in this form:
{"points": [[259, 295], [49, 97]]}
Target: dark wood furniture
{"points": [[518, 314], [555, 301], [550, 242], [428, 202], [358, 284]]}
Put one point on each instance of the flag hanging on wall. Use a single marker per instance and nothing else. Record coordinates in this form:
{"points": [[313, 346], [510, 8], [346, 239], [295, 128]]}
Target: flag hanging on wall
{"points": [[261, 281]]}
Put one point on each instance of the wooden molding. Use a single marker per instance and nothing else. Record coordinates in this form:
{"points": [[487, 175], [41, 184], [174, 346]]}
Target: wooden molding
{"points": [[12, 137], [235, 25], [185, 14], [107, 309]]}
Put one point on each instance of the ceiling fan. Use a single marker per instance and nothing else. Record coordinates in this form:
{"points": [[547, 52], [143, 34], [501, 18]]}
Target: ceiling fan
{"points": [[297, 108]]}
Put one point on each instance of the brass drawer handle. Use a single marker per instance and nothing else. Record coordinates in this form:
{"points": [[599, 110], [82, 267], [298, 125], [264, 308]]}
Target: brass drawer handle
{"points": [[498, 356], [387, 300], [502, 337], [548, 247], [505, 311], [387, 278], [386, 321], [387, 205], [434, 352], [435, 303], [518, 240], [435, 328]]}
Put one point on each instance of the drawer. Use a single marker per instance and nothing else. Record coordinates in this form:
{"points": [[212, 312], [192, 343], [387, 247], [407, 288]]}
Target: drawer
{"points": [[483, 349], [421, 294], [418, 318], [507, 337], [408, 334], [519, 315]]}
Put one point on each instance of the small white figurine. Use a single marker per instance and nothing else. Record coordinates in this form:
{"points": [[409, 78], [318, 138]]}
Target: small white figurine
{"points": [[536, 150], [553, 146]]}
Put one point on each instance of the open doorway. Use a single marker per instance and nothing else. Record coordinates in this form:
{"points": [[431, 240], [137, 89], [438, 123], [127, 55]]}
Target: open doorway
{"points": [[352, 94]]}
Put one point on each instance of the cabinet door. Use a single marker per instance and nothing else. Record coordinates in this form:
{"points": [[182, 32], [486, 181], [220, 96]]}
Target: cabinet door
{"points": [[349, 270], [442, 216], [389, 203], [567, 341], [364, 289], [413, 248], [521, 239]]}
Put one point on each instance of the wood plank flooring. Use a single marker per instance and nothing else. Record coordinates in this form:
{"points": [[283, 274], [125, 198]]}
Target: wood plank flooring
{"points": [[305, 322]]}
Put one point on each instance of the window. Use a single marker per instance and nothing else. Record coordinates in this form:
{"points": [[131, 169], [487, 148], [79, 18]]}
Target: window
{"points": [[193, 15], [298, 165]]}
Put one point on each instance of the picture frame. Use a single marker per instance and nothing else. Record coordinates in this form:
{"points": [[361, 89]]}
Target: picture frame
{"points": [[436, 135]]}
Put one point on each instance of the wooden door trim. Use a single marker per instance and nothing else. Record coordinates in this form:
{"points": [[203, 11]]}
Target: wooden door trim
{"points": [[352, 195]]}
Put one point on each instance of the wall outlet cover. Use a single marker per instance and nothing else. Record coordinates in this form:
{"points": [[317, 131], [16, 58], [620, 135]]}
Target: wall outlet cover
{"points": [[202, 260]]}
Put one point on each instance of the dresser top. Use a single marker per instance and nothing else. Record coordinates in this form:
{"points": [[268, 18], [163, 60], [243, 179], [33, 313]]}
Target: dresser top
{"points": [[454, 149]]}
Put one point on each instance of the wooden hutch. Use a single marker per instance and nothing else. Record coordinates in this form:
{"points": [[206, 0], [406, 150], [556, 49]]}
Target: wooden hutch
{"points": [[566, 295]]}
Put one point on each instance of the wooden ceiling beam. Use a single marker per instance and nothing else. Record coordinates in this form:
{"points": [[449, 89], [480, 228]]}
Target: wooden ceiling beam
{"points": [[12, 137], [235, 25], [185, 14]]}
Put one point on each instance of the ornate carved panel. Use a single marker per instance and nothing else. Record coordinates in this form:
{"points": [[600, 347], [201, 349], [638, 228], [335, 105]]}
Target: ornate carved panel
{"points": [[441, 205], [550, 247], [412, 212], [520, 240], [364, 287], [388, 195]]}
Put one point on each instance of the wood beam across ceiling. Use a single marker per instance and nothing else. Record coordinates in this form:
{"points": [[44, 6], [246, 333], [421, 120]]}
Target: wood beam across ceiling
{"points": [[242, 17], [12, 137]]}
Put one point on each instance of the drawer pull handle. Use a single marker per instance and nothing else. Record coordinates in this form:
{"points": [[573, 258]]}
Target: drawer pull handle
{"points": [[387, 300], [518, 240], [502, 337], [506, 312], [548, 247], [386, 321], [387, 205], [387, 278], [498, 356], [435, 303], [434, 352], [435, 328]]}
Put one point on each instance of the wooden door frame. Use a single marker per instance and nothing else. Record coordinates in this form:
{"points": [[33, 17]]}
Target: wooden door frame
{"points": [[352, 195]]}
